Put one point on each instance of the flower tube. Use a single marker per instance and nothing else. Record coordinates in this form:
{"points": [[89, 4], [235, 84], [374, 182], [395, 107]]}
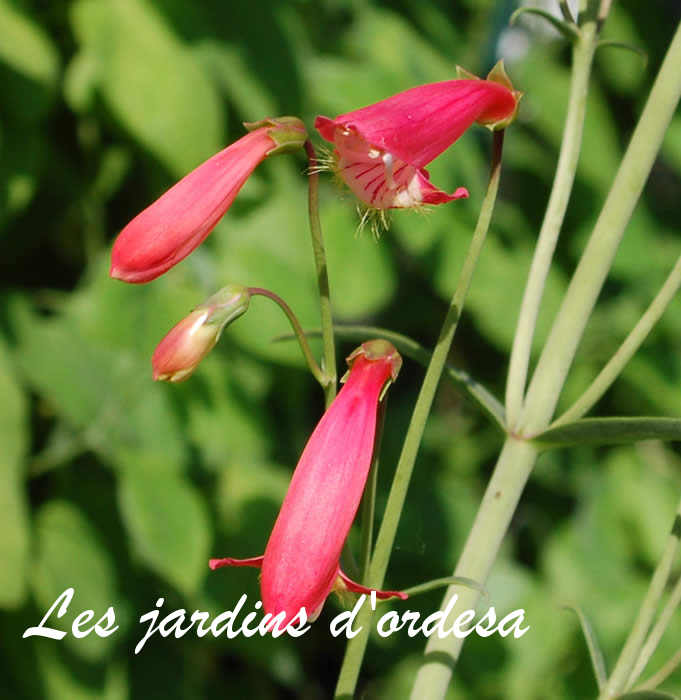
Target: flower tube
{"points": [[180, 219], [381, 151], [301, 564]]}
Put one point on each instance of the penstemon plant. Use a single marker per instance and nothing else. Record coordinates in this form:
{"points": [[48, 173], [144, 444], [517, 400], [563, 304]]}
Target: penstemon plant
{"points": [[380, 152]]}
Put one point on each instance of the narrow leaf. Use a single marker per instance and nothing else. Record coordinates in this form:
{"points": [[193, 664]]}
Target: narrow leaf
{"points": [[597, 660], [610, 431], [447, 581], [568, 30]]}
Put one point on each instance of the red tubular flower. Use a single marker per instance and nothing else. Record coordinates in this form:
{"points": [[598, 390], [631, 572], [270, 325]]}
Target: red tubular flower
{"points": [[381, 150], [180, 219], [301, 562]]}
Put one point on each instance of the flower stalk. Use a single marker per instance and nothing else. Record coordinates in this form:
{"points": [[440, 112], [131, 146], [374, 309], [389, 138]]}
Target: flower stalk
{"points": [[314, 368], [329, 362]]}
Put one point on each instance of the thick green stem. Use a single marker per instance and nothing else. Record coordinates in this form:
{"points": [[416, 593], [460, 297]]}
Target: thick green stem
{"points": [[386, 536], [501, 497], [646, 614], [297, 330], [593, 267], [583, 50], [329, 365], [626, 351]]}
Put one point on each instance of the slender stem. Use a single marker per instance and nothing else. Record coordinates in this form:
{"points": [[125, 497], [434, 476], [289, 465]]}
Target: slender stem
{"points": [[379, 563], [583, 51], [369, 498], [297, 330], [593, 267], [329, 364], [656, 633], [501, 498], [626, 351], [661, 676], [565, 10], [646, 614]]}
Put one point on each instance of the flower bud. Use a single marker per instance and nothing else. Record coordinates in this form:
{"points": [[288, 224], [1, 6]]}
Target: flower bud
{"points": [[187, 343]]}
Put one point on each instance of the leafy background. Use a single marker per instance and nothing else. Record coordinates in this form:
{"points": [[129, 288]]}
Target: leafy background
{"points": [[123, 489]]}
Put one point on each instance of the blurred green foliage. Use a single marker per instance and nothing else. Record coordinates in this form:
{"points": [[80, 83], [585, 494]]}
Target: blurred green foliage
{"points": [[122, 489]]}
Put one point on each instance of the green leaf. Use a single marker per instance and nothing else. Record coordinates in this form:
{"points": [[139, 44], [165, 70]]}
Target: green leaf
{"points": [[26, 47], [447, 581], [103, 392], [168, 525], [595, 653], [70, 555], [14, 525], [369, 260], [610, 431], [648, 695], [150, 80], [567, 29], [65, 679]]}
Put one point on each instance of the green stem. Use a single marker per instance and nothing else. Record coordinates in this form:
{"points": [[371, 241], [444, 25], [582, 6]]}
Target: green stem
{"points": [[501, 497], [583, 50], [661, 676], [329, 364], [656, 633], [297, 330], [626, 351], [593, 267], [379, 563], [646, 614]]}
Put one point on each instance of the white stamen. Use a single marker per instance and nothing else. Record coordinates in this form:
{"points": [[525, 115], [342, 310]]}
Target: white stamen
{"points": [[388, 161]]}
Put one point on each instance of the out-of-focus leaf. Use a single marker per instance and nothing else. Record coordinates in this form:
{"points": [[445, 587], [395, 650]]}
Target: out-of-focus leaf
{"points": [[66, 680], [230, 70], [70, 555], [648, 695], [168, 525], [105, 393], [546, 86], [14, 525], [151, 81], [495, 296], [355, 256], [625, 69], [610, 431], [26, 47]]}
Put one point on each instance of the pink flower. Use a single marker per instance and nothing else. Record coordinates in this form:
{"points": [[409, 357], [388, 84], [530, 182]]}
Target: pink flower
{"points": [[301, 562], [381, 150], [180, 219], [188, 342]]}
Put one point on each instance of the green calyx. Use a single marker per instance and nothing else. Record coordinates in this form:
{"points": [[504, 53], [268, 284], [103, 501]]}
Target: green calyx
{"points": [[288, 133], [226, 305], [498, 75], [378, 349]]}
